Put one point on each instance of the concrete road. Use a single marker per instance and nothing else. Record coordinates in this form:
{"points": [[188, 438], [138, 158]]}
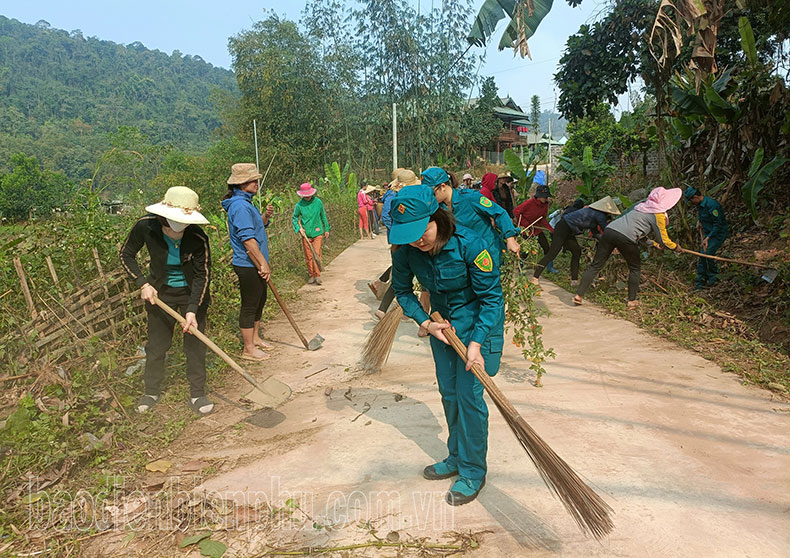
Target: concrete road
{"points": [[693, 463]]}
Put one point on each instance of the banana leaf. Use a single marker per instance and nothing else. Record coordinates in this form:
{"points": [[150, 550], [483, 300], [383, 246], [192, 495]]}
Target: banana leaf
{"points": [[513, 162], [516, 33], [747, 40], [759, 175]]}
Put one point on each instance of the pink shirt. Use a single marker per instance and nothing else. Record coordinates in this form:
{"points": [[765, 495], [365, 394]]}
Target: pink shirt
{"points": [[363, 200]]}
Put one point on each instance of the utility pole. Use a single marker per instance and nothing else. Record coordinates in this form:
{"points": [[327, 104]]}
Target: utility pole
{"points": [[394, 136], [551, 117], [257, 163]]}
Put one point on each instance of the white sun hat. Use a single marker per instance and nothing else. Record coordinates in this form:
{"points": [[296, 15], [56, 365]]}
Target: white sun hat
{"points": [[180, 205]]}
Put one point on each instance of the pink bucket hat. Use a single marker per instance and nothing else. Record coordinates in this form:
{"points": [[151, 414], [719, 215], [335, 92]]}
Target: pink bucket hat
{"points": [[469, 176], [660, 200], [306, 190]]}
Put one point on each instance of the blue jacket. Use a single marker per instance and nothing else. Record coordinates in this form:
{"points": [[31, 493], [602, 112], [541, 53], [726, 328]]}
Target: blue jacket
{"points": [[586, 218], [244, 223], [386, 199], [711, 217]]}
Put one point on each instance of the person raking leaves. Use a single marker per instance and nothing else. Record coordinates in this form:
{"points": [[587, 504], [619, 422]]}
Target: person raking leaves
{"points": [[454, 264], [179, 276], [713, 227]]}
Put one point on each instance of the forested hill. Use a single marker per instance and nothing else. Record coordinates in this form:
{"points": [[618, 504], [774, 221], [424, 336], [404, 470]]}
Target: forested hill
{"points": [[62, 93]]}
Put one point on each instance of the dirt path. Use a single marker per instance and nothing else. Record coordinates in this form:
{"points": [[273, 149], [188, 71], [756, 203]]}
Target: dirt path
{"points": [[693, 463]]}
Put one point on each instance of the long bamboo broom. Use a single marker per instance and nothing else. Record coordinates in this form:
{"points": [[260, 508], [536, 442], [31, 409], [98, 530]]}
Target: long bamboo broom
{"points": [[379, 341], [587, 508]]}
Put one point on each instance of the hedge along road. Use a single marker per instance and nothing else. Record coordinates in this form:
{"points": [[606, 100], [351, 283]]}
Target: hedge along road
{"points": [[693, 463]]}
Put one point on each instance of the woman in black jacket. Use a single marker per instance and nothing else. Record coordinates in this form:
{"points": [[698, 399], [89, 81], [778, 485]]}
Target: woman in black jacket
{"points": [[179, 276]]}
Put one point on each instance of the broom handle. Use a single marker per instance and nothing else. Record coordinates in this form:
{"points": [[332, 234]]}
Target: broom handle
{"points": [[711, 257], [207, 342], [477, 370], [287, 314], [280, 302]]}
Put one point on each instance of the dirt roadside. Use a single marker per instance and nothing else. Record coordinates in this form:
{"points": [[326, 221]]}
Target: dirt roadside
{"points": [[693, 463]]}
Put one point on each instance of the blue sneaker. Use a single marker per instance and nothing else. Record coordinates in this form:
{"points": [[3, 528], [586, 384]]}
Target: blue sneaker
{"points": [[464, 490], [439, 471], [550, 268]]}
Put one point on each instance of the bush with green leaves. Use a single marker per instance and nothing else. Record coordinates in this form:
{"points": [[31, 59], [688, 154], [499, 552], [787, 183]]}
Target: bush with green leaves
{"points": [[593, 172]]}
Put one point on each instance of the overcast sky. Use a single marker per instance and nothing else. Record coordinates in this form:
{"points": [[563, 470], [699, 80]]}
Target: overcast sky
{"points": [[202, 28]]}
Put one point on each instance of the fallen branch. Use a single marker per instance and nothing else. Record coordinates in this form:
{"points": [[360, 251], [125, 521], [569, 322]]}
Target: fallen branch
{"points": [[310, 551], [9, 378]]}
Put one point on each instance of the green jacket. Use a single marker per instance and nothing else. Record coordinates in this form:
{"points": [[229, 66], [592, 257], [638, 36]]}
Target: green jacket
{"points": [[463, 279], [313, 217]]}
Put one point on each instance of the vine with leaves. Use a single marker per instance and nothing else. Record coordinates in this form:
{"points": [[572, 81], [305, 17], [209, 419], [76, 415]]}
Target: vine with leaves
{"points": [[521, 313]]}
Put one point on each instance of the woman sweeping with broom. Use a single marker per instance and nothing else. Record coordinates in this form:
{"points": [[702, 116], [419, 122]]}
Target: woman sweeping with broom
{"points": [[454, 264]]}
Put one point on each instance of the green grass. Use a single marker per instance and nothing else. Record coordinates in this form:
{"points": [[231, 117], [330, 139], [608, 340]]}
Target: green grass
{"points": [[36, 439]]}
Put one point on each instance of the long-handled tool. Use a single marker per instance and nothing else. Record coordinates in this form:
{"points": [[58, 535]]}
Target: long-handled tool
{"points": [[588, 509], [769, 275], [312, 250], [268, 393], [316, 342]]}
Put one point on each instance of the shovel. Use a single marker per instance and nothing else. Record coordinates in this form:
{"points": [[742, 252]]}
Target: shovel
{"points": [[769, 275], [316, 342], [268, 393]]}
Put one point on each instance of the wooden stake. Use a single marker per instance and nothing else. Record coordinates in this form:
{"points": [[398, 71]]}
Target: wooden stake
{"points": [[98, 262], [74, 268], [25, 289], [103, 280], [52, 272]]}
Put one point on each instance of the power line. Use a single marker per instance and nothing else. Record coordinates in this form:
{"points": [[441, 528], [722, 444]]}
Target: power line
{"points": [[522, 67]]}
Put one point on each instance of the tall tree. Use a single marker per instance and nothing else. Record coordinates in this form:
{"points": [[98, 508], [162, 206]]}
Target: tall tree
{"points": [[534, 113]]}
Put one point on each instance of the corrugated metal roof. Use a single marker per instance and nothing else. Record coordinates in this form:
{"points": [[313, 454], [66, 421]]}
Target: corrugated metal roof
{"points": [[510, 112]]}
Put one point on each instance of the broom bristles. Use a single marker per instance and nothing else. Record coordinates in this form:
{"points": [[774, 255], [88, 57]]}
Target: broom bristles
{"points": [[587, 508], [379, 342]]}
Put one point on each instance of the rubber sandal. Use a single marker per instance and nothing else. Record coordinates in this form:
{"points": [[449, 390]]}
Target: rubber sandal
{"points": [[199, 403], [147, 401], [577, 300]]}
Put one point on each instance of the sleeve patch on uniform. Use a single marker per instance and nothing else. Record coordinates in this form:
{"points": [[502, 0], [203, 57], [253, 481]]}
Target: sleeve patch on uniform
{"points": [[484, 261], [402, 209], [715, 212], [485, 202]]}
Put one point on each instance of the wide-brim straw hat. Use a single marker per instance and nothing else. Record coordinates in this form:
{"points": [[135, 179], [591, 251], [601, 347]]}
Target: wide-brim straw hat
{"points": [[607, 205], [404, 177], [180, 205], [306, 190], [241, 173]]}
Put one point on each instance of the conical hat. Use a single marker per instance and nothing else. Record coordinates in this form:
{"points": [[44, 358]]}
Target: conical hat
{"points": [[606, 205]]}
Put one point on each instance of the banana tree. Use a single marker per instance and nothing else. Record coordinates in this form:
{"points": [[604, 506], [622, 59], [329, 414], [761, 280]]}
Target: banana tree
{"points": [[592, 172], [525, 16], [759, 175]]}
